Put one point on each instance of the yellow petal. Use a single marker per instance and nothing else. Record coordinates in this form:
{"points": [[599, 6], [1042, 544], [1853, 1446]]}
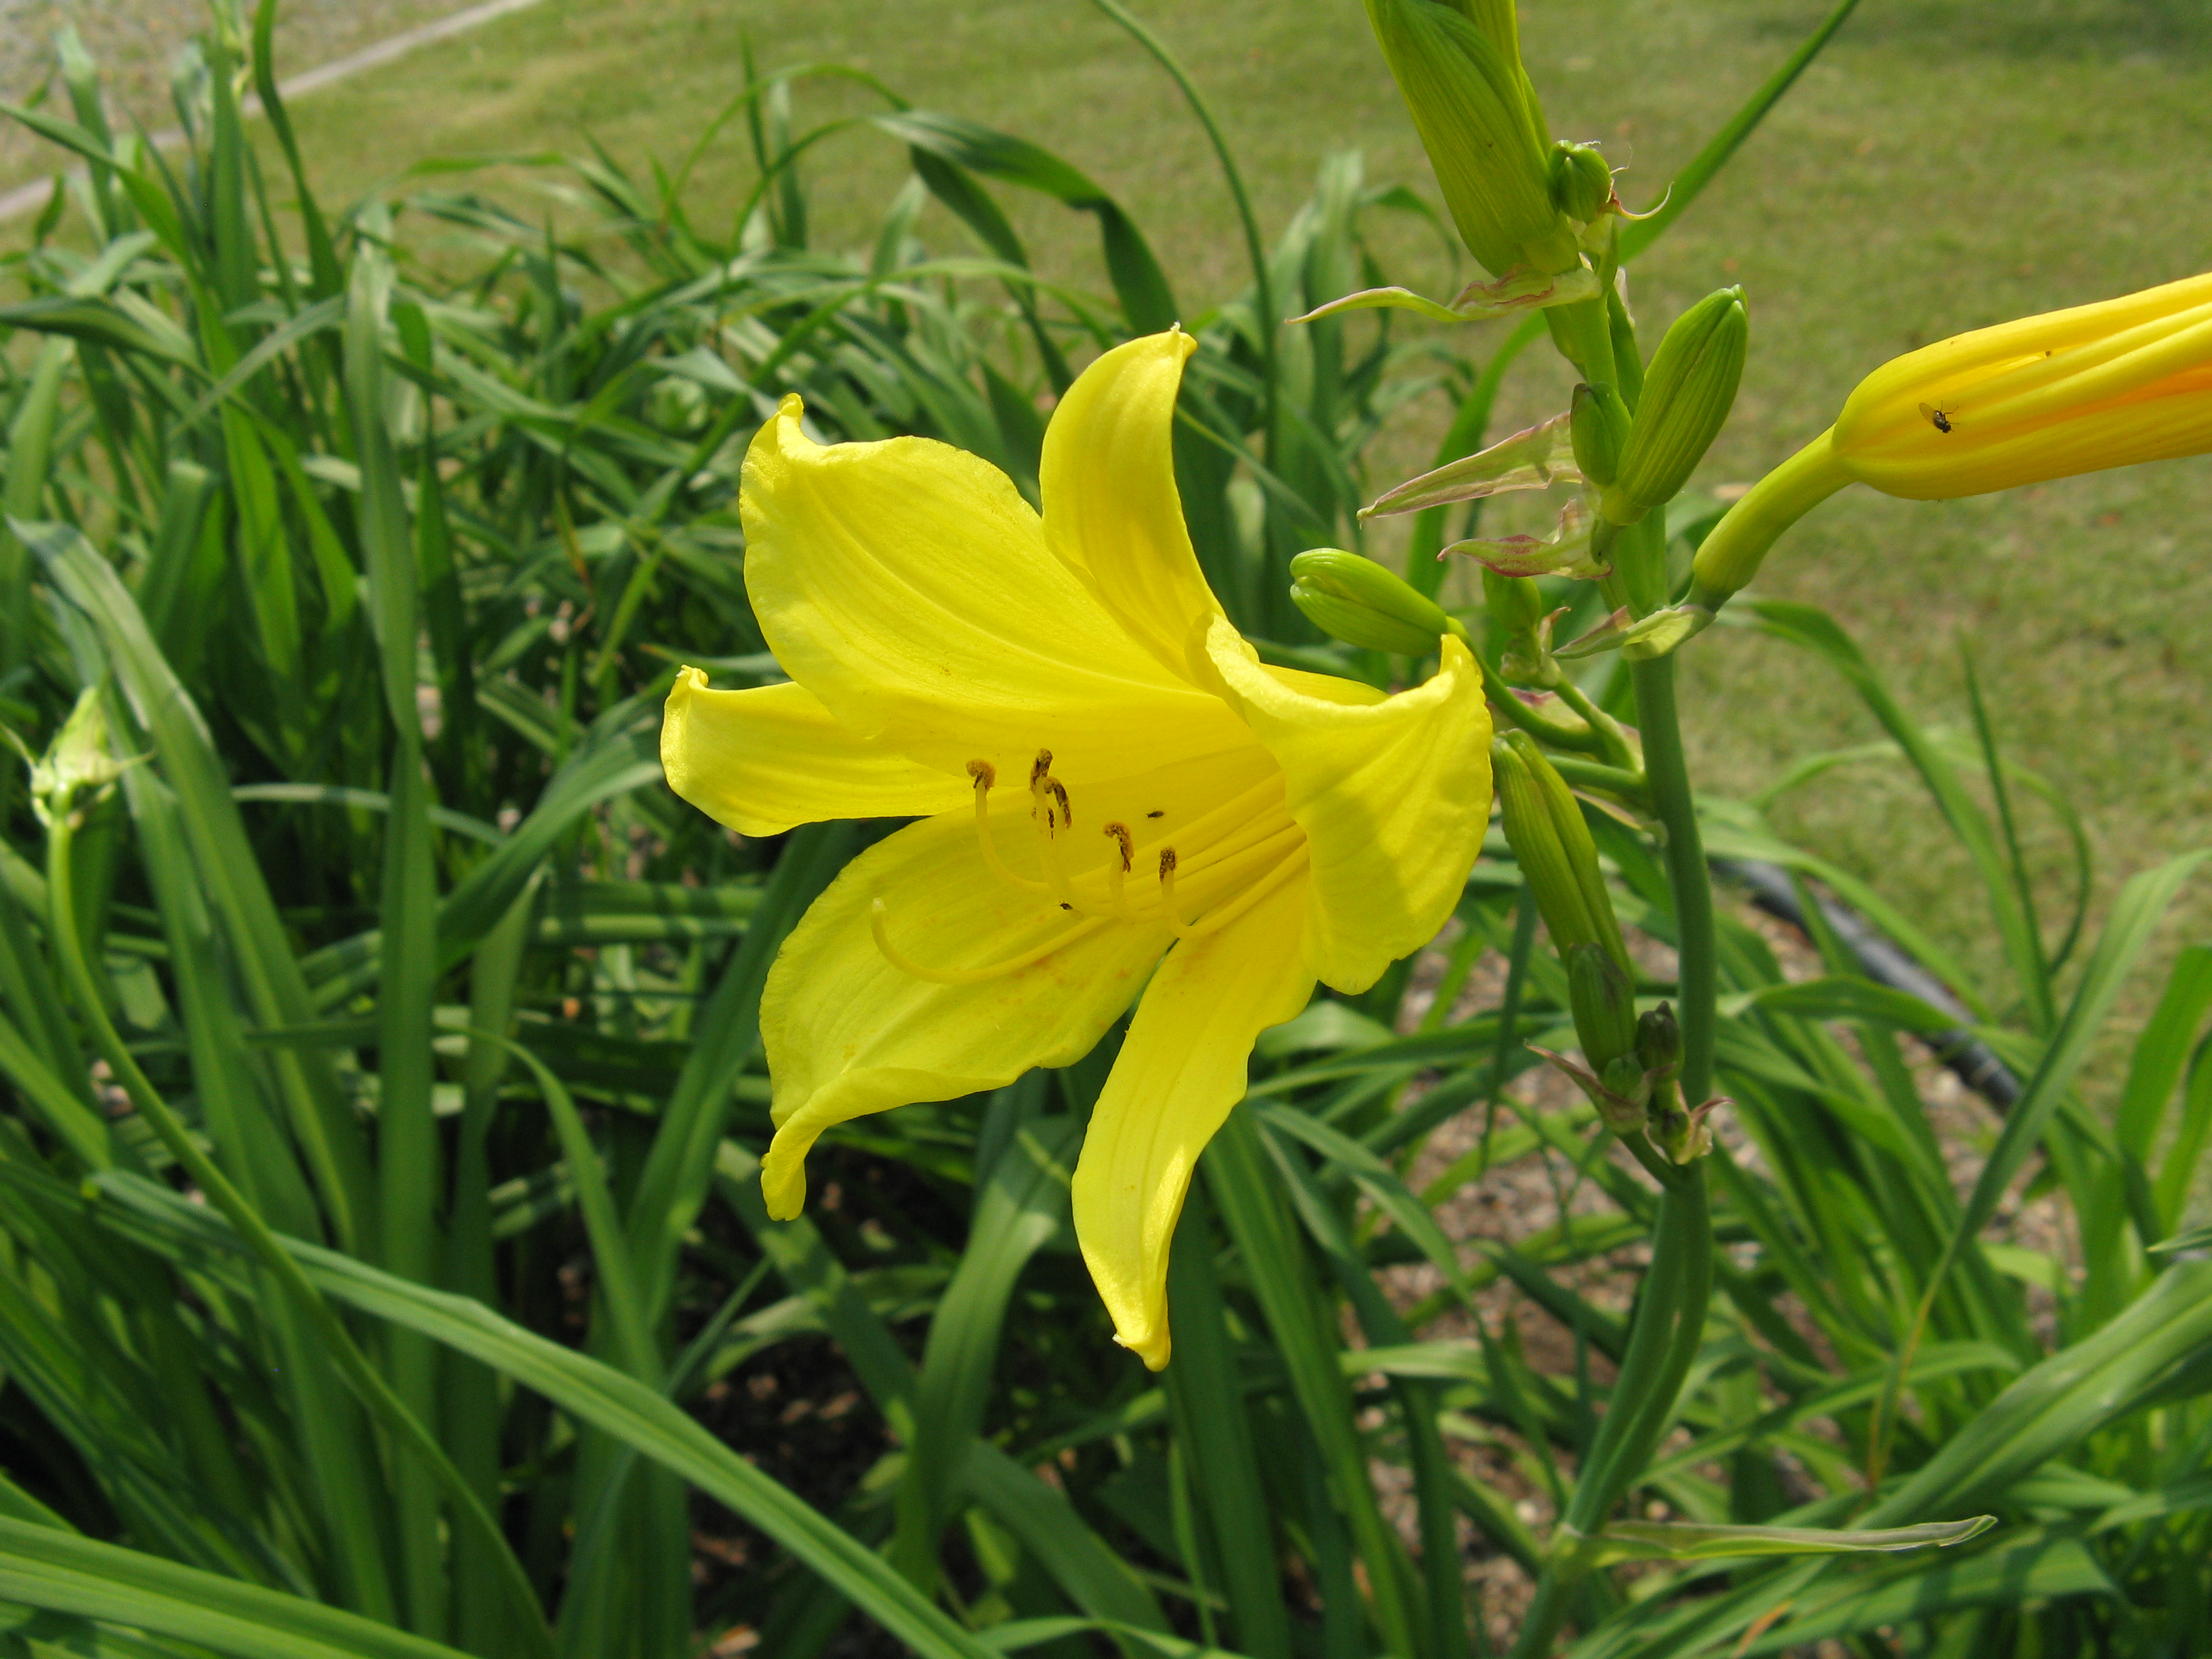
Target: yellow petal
{"points": [[764, 760], [1394, 796], [907, 585], [847, 1033], [1179, 1073], [1111, 510]]}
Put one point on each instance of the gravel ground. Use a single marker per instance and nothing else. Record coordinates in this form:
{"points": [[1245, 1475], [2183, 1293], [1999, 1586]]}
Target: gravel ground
{"points": [[135, 42]]}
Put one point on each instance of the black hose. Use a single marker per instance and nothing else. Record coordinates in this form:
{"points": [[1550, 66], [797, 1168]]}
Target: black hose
{"points": [[1966, 1056]]}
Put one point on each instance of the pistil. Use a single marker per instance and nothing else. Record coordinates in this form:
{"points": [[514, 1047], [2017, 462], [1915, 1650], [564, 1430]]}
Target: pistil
{"points": [[878, 924]]}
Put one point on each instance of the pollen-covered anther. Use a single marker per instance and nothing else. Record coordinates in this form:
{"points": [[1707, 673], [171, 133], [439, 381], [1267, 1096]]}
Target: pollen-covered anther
{"points": [[1117, 871], [1168, 893], [1060, 794], [1048, 792], [985, 774], [878, 924]]}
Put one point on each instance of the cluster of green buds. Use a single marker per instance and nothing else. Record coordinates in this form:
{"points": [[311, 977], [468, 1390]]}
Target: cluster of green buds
{"points": [[1351, 598], [1630, 1061], [1516, 604], [1513, 196], [79, 769]]}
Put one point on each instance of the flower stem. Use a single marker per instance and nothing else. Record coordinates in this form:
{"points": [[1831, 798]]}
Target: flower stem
{"points": [[1670, 1310]]}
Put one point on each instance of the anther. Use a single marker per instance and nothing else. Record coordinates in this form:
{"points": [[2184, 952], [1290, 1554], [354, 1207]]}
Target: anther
{"points": [[1168, 893], [1045, 791], [1117, 871], [1060, 794], [985, 774]]}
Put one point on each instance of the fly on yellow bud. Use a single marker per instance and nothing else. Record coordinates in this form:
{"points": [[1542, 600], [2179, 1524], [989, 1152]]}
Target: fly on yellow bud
{"points": [[1687, 393], [2078, 390], [2047, 397], [1458, 63], [1355, 599]]}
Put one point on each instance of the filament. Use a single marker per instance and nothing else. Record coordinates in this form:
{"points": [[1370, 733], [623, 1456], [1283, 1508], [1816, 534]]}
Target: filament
{"points": [[985, 776], [878, 924]]}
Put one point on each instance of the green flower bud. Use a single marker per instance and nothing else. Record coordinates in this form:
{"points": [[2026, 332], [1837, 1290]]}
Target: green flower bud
{"points": [[1603, 1000], [1600, 423], [78, 766], [1356, 601], [1516, 603], [1459, 67], [1536, 843], [1581, 184], [1545, 827], [1659, 1041], [1687, 393], [1623, 1104]]}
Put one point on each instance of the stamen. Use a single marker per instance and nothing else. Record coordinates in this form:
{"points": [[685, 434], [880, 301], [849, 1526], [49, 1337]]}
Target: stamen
{"points": [[879, 917], [985, 776], [1044, 790], [1167, 892], [1117, 871]]}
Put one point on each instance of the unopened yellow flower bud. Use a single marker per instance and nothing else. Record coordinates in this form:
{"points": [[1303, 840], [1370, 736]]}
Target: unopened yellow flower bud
{"points": [[2047, 397], [1355, 599], [1459, 66], [2099, 386], [1687, 393]]}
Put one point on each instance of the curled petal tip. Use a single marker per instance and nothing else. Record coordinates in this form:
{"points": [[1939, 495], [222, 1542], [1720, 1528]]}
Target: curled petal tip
{"points": [[1151, 1348], [784, 1190]]}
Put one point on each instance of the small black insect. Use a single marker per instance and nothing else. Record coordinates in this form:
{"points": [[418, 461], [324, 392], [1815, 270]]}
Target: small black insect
{"points": [[1938, 418], [1158, 812]]}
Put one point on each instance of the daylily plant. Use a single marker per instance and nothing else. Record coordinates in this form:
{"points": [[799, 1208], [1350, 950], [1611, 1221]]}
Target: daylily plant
{"points": [[1116, 796]]}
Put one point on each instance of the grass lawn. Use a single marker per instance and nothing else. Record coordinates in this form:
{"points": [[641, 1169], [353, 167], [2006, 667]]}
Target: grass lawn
{"points": [[1949, 163]]}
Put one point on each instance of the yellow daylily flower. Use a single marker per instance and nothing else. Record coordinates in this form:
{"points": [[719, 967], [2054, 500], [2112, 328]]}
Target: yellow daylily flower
{"points": [[2096, 386], [1115, 797]]}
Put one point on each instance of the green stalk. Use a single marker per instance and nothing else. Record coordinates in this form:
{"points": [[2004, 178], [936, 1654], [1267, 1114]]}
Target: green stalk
{"points": [[1670, 1315], [205, 1174], [1667, 777]]}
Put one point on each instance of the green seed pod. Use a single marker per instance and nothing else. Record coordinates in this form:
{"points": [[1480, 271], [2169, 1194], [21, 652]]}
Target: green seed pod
{"points": [[1603, 1000], [1356, 601], [1599, 424], [1687, 393], [1459, 67], [1516, 603], [1581, 184]]}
